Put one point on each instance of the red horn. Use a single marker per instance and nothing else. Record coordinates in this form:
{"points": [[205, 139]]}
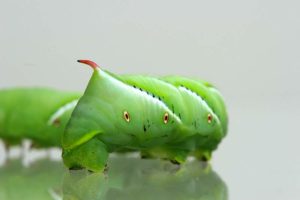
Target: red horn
{"points": [[89, 62]]}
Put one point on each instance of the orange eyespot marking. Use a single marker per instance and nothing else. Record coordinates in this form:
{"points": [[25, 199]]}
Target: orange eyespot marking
{"points": [[166, 117], [209, 118], [126, 116]]}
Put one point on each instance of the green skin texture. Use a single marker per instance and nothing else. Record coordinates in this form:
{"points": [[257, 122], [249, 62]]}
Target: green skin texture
{"points": [[98, 126]]}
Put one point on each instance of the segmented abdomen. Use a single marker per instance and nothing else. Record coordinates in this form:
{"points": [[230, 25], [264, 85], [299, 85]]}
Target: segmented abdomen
{"points": [[187, 98]]}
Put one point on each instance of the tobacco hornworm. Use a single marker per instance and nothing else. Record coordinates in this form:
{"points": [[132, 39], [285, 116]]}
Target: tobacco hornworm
{"points": [[169, 117]]}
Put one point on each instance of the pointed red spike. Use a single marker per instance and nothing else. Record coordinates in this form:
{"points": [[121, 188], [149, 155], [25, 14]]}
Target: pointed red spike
{"points": [[89, 62]]}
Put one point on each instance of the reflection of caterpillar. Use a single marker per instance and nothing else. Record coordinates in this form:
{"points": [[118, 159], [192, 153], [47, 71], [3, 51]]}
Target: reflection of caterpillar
{"points": [[131, 178], [170, 117], [40, 181], [127, 178]]}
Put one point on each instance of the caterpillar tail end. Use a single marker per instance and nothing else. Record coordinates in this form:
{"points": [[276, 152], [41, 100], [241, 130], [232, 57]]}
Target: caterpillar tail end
{"points": [[91, 155], [90, 63]]}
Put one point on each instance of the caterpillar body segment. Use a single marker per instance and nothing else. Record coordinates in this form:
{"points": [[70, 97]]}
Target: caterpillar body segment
{"points": [[209, 94]]}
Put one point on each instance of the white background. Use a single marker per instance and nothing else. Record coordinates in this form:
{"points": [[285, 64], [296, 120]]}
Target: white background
{"points": [[248, 49]]}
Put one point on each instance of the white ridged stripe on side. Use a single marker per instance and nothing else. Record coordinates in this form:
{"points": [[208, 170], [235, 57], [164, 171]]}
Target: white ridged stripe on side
{"points": [[125, 86], [201, 101], [62, 110]]}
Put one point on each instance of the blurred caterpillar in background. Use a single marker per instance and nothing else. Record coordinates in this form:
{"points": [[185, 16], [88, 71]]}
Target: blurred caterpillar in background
{"points": [[169, 117]]}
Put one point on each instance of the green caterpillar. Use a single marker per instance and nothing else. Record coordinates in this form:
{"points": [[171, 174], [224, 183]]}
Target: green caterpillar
{"points": [[170, 117], [39, 114]]}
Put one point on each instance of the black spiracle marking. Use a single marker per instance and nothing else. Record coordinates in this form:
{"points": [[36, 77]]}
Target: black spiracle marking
{"points": [[148, 123], [132, 135], [56, 122], [195, 124]]}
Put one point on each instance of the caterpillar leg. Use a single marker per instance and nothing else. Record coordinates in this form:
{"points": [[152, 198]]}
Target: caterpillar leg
{"points": [[146, 154], [202, 155], [25, 152], [3, 148], [177, 156], [91, 155]]}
